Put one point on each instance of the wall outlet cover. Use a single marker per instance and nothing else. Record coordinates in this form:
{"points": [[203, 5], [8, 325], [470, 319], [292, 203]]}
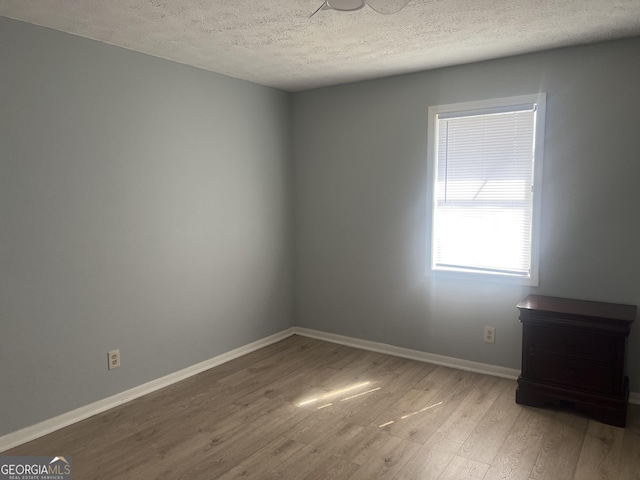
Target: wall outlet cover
{"points": [[114, 359]]}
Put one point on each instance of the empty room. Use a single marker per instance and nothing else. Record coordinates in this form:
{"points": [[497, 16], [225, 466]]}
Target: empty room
{"points": [[382, 239]]}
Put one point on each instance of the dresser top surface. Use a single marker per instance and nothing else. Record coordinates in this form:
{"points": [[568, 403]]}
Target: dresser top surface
{"points": [[581, 308]]}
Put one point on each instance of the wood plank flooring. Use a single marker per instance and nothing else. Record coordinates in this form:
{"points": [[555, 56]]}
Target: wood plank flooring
{"points": [[311, 410]]}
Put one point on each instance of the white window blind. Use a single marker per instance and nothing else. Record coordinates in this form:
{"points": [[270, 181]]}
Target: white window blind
{"points": [[484, 190]]}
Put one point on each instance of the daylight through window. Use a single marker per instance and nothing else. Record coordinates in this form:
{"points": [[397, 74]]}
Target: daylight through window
{"points": [[486, 164]]}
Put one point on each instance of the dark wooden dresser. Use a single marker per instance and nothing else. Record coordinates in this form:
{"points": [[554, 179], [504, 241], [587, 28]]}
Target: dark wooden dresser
{"points": [[575, 351]]}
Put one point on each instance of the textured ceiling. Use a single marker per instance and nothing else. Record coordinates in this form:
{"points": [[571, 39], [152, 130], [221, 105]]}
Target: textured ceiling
{"points": [[275, 43]]}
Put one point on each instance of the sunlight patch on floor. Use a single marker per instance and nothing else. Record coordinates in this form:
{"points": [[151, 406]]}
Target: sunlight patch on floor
{"points": [[410, 414], [337, 393]]}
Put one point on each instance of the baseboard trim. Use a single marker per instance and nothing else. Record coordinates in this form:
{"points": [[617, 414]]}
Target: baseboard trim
{"points": [[497, 371], [445, 361], [45, 427]]}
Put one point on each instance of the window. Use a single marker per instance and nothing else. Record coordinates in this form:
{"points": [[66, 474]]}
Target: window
{"points": [[486, 167]]}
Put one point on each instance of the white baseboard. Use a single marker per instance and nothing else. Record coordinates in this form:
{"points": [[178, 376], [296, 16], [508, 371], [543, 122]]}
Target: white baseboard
{"points": [[45, 427], [452, 362], [504, 372]]}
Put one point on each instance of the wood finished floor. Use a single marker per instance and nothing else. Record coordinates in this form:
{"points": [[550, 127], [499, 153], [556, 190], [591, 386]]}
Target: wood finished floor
{"points": [[307, 409]]}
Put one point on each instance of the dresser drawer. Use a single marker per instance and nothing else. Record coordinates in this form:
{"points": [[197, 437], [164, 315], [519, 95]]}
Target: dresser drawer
{"points": [[570, 371], [575, 343]]}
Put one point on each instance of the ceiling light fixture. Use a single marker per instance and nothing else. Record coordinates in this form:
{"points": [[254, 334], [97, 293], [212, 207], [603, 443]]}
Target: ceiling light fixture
{"points": [[386, 7]]}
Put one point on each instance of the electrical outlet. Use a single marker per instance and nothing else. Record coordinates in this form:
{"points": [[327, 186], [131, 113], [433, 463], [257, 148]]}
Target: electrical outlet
{"points": [[114, 359], [489, 335]]}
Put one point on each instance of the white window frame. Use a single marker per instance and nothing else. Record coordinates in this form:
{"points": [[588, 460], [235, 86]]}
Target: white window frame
{"points": [[479, 107]]}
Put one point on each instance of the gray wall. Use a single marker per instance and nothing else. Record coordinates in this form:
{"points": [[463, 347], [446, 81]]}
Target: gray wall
{"points": [[361, 216], [144, 205]]}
